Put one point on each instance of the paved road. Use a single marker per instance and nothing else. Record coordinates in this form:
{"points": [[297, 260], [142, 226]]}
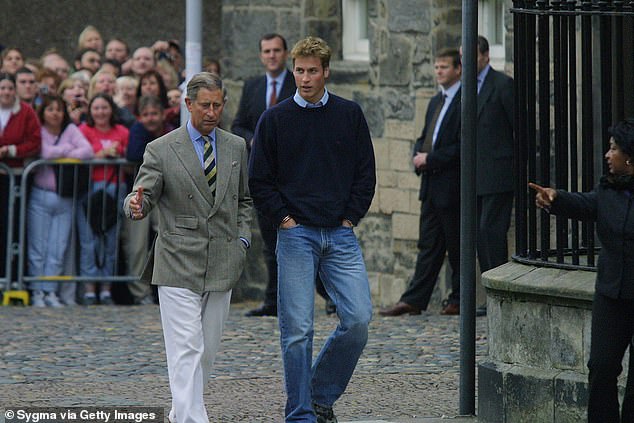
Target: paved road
{"points": [[114, 356]]}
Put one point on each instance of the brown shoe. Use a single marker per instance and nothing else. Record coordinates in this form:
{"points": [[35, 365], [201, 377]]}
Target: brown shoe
{"points": [[451, 310], [399, 309]]}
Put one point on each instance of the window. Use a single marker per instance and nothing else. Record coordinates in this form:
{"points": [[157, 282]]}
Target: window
{"points": [[491, 26], [355, 30]]}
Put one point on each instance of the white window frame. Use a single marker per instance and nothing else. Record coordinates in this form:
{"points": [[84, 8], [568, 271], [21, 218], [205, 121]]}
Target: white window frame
{"points": [[356, 45], [490, 20]]}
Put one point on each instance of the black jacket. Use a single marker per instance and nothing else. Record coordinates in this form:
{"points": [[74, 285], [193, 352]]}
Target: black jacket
{"points": [[440, 181], [613, 211], [253, 104], [494, 165]]}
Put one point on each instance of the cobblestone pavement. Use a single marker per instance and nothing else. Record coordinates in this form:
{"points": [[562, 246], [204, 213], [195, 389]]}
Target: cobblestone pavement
{"points": [[114, 356]]}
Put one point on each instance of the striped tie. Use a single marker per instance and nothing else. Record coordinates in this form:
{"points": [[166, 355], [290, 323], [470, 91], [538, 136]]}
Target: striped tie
{"points": [[210, 165]]}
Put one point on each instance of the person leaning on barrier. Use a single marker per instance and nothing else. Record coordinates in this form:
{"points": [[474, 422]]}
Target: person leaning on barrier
{"points": [[204, 210], [49, 215], [611, 205], [20, 139], [109, 140]]}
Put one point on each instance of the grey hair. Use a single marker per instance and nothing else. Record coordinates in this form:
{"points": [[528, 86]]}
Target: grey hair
{"points": [[206, 80]]}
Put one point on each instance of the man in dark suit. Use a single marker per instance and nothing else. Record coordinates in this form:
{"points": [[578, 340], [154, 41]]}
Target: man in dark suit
{"points": [[494, 165], [437, 160], [258, 95]]}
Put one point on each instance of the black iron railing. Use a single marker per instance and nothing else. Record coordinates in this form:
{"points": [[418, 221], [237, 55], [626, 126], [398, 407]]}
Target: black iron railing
{"points": [[571, 68]]}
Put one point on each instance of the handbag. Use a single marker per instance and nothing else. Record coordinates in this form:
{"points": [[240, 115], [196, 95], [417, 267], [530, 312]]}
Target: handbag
{"points": [[103, 217], [71, 179], [103, 209]]}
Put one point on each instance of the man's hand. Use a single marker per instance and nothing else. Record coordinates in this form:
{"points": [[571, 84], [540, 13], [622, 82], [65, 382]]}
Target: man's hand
{"points": [[4, 151], [289, 223], [544, 197], [420, 160], [136, 205]]}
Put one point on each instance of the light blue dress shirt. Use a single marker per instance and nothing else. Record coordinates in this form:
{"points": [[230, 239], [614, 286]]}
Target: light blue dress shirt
{"points": [[304, 104], [279, 80], [449, 93], [199, 142], [482, 76]]}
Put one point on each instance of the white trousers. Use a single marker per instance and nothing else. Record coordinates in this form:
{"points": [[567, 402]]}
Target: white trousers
{"points": [[192, 328]]}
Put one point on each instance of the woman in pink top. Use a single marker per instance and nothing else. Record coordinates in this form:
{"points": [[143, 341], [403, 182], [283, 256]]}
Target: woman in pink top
{"points": [[50, 215], [109, 140]]}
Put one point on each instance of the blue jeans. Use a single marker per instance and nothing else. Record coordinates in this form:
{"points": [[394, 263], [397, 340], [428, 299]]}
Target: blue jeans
{"points": [[49, 224], [303, 251]]}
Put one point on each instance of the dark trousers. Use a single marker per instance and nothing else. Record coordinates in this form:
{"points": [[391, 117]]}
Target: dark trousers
{"points": [[439, 233], [494, 220], [612, 330], [4, 226], [268, 231]]}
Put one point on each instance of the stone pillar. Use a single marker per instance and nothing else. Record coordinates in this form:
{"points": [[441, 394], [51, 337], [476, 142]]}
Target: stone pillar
{"points": [[539, 344]]}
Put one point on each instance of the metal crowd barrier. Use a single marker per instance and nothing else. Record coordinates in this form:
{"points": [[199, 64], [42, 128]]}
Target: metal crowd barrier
{"points": [[78, 199], [8, 177]]}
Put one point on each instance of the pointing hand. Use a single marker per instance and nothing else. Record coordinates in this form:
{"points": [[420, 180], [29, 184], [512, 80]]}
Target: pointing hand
{"points": [[544, 196]]}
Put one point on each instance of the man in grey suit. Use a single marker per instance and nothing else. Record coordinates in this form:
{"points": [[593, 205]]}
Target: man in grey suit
{"points": [[494, 169], [196, 177]]}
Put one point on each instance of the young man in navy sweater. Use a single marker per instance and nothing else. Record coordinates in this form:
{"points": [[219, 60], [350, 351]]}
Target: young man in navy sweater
{"points": [[312, 172]]}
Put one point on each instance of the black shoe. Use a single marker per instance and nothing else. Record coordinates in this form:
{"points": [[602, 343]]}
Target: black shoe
{"points": [[324, 414], [331, 308], [263, 310], [481, 311]]}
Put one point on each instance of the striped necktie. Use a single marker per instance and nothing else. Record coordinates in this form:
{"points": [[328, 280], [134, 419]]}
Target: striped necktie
{"points": [[210, 164]]}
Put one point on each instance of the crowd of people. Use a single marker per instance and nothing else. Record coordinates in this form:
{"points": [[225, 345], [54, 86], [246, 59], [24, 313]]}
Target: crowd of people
{"points": [[107, 103]]}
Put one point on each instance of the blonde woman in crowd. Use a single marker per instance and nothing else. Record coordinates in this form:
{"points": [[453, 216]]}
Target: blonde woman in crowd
{"points": [[90, 38], [125, 92], [167, 71], [102, 82]]}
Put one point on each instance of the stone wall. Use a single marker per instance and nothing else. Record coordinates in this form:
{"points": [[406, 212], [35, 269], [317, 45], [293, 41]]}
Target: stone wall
{"points": [[405, 35], [393, 89], [539, 343]]}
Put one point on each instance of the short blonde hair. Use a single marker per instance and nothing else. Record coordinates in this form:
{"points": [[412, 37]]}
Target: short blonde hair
{"points": [[84, 33], [312, 47], [93, 81]]}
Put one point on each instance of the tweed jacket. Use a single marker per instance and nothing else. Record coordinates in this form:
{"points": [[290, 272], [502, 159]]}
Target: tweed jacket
{"points": [[198, 244]]}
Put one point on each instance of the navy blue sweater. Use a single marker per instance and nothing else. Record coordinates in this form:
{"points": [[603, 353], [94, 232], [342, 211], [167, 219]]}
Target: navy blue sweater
{"points": [[316, 165]]}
